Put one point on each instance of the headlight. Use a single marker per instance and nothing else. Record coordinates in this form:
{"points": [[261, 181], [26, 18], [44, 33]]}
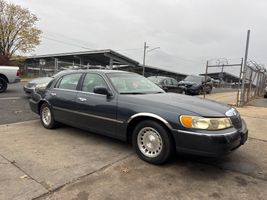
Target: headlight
{"points": [[41, 85], [205, 123]]}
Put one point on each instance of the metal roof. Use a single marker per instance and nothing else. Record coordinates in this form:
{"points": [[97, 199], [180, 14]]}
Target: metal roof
{"points": [[96, 57]]}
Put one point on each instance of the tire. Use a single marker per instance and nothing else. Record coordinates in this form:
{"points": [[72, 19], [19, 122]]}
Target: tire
{"points": [[159, 146], [3, 85], [265, 96], [47, 117]]}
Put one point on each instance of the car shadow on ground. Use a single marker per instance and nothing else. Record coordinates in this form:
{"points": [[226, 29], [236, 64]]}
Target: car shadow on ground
{"points": [[195, 164]]}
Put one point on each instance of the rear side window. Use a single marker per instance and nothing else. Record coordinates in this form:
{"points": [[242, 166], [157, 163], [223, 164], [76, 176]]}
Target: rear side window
{"points": [[69, 81], [91, 81]]}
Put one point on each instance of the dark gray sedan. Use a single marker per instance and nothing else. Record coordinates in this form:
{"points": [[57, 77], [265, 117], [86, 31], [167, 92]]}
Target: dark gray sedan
{"points": [[131, 108]]}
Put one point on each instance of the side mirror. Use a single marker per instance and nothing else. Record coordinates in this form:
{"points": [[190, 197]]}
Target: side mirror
{"points": [[101, 90]]}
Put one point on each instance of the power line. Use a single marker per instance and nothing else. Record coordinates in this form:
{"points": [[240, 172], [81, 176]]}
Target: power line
{"points": [[66, 43]]}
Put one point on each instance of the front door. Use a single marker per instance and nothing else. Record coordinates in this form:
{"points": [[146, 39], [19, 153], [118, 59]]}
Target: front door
{"points": [[98, 113]]}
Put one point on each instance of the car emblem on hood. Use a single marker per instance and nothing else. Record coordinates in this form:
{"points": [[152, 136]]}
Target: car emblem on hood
{"points": [[231, 112]]}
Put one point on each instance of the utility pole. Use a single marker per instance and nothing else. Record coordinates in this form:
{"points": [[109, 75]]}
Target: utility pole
{"points": [[244, 70], [144, 58]]}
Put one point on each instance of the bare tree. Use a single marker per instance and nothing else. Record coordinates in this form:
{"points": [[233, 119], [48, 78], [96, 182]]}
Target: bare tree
{"points": [[18, 31]]}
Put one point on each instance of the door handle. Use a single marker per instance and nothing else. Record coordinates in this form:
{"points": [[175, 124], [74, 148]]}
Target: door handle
{"points": [[53, 94], [82, 99]]}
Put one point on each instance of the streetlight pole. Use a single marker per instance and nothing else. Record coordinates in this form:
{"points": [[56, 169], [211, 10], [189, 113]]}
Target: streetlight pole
{"points": [[244, 70], [144, 58]]}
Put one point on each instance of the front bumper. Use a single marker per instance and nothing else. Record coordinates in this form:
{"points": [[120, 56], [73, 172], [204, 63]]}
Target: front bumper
{"points": [[27, 90], [210, 143]]}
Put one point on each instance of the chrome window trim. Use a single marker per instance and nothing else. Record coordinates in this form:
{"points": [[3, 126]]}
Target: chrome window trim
{"points": [[144, 114], [65, 89], [88, 115], [208, 134], [91, 93]]}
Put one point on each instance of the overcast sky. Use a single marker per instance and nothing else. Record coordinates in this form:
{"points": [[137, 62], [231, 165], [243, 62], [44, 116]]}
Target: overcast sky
{"points": [[188, 32]]}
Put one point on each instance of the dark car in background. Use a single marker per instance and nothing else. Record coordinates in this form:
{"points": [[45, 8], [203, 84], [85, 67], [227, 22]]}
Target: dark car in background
{"points": [[195, 85], [131, 108], [168, 84]]}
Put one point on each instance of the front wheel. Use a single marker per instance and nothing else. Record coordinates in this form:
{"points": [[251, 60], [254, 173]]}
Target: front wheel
{"points": [[152, 142], [47, 117], [3, 85]]}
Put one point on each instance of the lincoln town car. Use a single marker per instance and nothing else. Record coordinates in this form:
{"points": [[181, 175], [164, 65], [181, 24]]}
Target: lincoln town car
{"points": [[130, 107]]}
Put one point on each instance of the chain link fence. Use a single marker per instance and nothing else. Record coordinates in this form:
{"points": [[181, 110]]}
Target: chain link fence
{"points": [[253, 82]]}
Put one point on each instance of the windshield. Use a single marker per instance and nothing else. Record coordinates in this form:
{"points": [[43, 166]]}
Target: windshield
{"points": [[191, 78], [133, 84]]}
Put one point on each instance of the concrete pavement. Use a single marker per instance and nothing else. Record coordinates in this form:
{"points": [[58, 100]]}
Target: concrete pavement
{"points": [[67, 163], [73, 164], [52, 158]]}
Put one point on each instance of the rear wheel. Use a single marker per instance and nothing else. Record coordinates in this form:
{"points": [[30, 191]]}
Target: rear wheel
{"points": [[152, 142], [47, 117], [3, 85]]}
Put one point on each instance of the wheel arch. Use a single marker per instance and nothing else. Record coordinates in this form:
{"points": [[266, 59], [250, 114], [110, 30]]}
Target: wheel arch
{"points": [[135, 119], [4, 77], [41, 102]]}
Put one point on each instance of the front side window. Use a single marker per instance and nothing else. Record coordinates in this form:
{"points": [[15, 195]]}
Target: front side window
{"points": [[91, 81], [69, 81]]}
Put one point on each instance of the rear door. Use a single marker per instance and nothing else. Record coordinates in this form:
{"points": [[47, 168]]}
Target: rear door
{"points": [[98, 113], [63, 98]]}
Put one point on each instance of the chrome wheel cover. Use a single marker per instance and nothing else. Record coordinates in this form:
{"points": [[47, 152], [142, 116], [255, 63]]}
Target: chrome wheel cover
{"points": [[149, 142], [46, 116]]}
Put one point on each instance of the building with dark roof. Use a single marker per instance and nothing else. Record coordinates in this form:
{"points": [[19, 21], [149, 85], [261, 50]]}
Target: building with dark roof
{"points": [[46, 65]]}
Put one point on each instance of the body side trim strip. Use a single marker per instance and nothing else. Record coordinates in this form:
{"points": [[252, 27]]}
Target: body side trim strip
{"points": [[89, 115], [207, 134]]}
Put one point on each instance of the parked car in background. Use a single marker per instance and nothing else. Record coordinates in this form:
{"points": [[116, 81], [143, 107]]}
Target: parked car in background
{"points": [[131, 108], [168, 84], [195, 85], [40, 82], [34, 83], [8, 75]]}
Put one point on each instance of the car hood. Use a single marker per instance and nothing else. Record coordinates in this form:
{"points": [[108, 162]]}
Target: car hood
{"points": [[172, 101], [40, 80]]}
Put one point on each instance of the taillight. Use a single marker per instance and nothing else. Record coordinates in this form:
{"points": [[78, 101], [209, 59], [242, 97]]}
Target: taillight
{"points": [[18, 72]]}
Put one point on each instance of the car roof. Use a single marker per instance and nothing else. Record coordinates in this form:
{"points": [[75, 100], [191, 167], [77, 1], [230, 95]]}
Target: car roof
{"points": [[102, 71]]}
